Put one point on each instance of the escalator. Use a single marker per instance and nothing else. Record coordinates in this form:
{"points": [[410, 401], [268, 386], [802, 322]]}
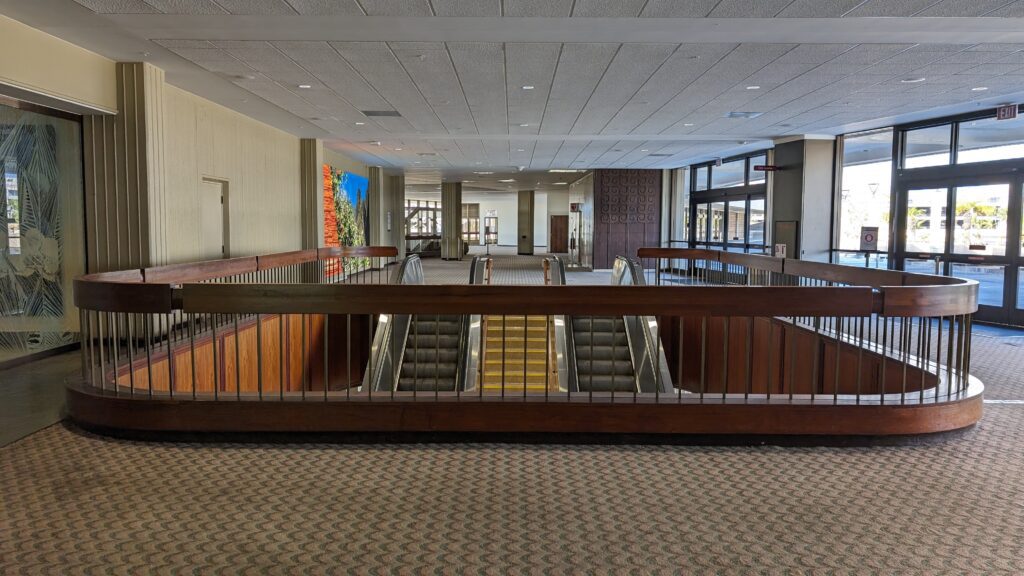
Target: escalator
{"points": [[610, 354], [425, 352]]}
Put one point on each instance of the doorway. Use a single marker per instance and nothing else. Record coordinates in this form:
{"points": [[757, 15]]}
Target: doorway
{"points": [[213, 219], [558, 237], [970, 228]]}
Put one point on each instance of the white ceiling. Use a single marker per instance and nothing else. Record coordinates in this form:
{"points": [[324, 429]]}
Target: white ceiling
{"points": [[609, 89]]}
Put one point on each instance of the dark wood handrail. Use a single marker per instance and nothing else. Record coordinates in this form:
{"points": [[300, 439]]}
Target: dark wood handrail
{"points": [[888, 292], [520, 300]]}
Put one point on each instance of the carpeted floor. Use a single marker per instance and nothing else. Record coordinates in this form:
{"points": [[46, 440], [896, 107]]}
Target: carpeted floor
{"points": [[75, 503]]}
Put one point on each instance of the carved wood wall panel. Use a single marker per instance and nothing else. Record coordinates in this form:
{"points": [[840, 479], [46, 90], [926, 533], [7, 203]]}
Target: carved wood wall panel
{"points": [[627, 206]]}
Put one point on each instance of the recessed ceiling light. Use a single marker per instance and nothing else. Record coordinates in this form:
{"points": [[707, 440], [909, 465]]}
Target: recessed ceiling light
{"points": [[564, 170], [644, 150], [417, 162], [979, 88], [912, 80], [483, 173], [507, 180], [688, 124], [743, 114], [753, 87], [304, 86], [527, 87], [398, 149], [360, 123], [523, 125], [559, 183]]}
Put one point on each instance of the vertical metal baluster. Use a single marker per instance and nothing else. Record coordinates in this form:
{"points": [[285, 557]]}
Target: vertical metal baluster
{"points": [[83, 347], [303, 360], [949, 359], [860, 356], [170, 355], [504, 346], [750, 358], [922, 354], [102, 353], [838, 323], [590, 393], [437, 355], [327, 356], [938, 358], [547, 356], [679, 367], [905, 356], [259, 357], [192, 351], [415, 357], [131, 354], [885, 359], [348, 356], [238, 358], [725, 357], [703, 355], [768, 348], [280, 356], [967, 351], [216, 366], [481, 371], [115, 348], [149, 352], [792, 357], [526, 334], [614, 355], [657, 367]]}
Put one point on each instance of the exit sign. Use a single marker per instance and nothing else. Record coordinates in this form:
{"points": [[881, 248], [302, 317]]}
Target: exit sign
{"points": [[1006, 112], [766, 168]]}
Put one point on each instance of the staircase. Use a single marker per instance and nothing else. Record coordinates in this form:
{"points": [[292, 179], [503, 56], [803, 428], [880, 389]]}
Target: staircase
{"points": [[431, 354], [504, 347], [603, 361]]}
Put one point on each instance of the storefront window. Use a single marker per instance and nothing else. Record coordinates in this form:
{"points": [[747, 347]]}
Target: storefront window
{"points": [[865, 188], [989, 139], [41, 239], [928, 146]]}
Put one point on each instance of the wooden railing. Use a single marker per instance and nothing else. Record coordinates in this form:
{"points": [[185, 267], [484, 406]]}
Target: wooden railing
{"points": [[754, 344]]}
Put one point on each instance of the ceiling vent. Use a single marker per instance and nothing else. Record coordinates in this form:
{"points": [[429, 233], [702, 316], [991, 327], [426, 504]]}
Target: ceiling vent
{"points": [[426, 154], [660, 155], [379, 113], [743, 114]]}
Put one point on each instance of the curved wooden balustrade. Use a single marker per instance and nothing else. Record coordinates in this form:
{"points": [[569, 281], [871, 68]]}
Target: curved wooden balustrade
{"points": [[756, 345]]}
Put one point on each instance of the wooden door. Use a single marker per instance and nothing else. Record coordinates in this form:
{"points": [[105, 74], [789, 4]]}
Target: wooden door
{"points": [[558, 238]]}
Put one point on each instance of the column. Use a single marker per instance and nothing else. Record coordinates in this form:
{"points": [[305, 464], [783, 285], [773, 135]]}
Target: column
{"points": [[451, 220], [801, 197], [311, 186], [125, 194], [525, 222]]}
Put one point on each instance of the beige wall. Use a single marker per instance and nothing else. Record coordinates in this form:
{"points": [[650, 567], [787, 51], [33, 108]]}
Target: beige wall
{"points": [[40, 68], [260, 164], [342, 162]]}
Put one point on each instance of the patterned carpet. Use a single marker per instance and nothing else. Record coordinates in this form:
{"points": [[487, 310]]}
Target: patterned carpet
{"points": [[75, 503]]}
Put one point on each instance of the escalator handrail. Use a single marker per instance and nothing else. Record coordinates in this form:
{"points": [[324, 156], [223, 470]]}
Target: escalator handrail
{"points": [[470, 332], [392, 331], [565, 343], [652, 354]]}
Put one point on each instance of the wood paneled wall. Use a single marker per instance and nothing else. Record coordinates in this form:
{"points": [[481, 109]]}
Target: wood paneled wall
{"points": [[281, 352], [627, 213], [781, 358]]}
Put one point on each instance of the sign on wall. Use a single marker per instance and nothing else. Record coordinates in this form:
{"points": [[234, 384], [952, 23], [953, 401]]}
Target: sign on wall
{"points": [[1008, 112]]}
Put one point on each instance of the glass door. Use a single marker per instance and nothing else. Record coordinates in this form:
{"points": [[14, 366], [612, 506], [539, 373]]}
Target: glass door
{"points": [[963, 228]]}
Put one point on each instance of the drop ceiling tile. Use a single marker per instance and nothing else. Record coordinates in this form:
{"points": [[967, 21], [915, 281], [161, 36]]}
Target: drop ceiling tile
{"points": [[877, 8], [187, 6], [819, 8], [538, 8], [748, 8], [1014, 10], [607, 8], [676, 9], [396, 7], [580, 68], [632, 66], [257, 7], [481, 74], [529, 65], [959, 8], [478, 8], [118, 6], [175, 44], [430, 68], [326, 7]]}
